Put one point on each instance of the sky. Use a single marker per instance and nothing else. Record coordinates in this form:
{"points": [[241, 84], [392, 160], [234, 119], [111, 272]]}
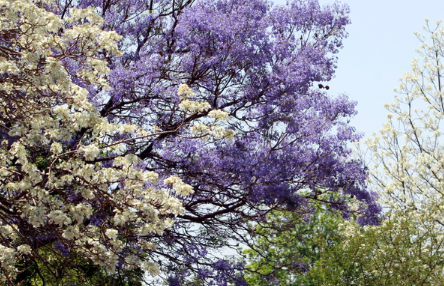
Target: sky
{"points": [[379, 50]]}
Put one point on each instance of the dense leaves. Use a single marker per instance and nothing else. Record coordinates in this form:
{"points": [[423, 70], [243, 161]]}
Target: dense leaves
{"points": [[288, 244], [328, 250], [399, 252]]}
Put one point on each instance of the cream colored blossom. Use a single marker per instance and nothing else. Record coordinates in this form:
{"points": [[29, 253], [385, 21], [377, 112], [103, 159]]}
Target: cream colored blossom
{"points": [[111, 233], [185, 91], [407, 155], [218, 114], [61, 189], [194, 106], [24, 248]]}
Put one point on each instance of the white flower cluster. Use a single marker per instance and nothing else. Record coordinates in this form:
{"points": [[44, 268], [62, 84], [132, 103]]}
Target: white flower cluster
{"points": [[42, 111], [217, 132], [39, 29], [200, 129], [218, 114], [180, 187], [185, 91], [194, 106]]}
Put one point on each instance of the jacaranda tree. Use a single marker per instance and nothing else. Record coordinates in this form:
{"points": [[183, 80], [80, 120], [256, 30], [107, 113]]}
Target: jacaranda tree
{"points": [[155, 148]]}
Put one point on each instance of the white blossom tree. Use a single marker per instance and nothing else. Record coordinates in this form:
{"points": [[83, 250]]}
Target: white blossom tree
{"points": [[50, 194], [408, 154]]}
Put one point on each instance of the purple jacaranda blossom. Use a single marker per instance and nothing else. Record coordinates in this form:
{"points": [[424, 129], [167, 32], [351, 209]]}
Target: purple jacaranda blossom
{"points": [[60, 247], [97, 219], [262, 64], [173, 280]]}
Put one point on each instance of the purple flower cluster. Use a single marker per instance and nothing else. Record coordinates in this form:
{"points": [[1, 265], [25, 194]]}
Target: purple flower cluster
{"points": [[60, 247]]}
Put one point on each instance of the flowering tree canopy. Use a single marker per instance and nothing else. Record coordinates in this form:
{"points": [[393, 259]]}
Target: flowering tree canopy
{"points": [[53, 193], [408, 155], [157, 147]]}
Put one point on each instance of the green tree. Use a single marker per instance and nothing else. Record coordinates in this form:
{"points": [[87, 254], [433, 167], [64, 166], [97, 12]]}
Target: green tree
{"points": [[288, 244], [398, 252], [82, 272], [328, 250]]}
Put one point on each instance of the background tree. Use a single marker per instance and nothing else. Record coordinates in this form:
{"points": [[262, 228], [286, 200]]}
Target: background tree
{"points": [[408, 153], [288, 244], [407, 156], [398, 252], [329, 250], [255, 71]]}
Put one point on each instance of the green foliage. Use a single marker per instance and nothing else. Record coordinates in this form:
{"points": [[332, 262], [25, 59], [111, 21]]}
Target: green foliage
{"points": [[401, 251], [80, 272], [286, 246]]}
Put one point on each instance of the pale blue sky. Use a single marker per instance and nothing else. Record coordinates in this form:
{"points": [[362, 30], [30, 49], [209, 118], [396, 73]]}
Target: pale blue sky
{"points": [[378, 51]]}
